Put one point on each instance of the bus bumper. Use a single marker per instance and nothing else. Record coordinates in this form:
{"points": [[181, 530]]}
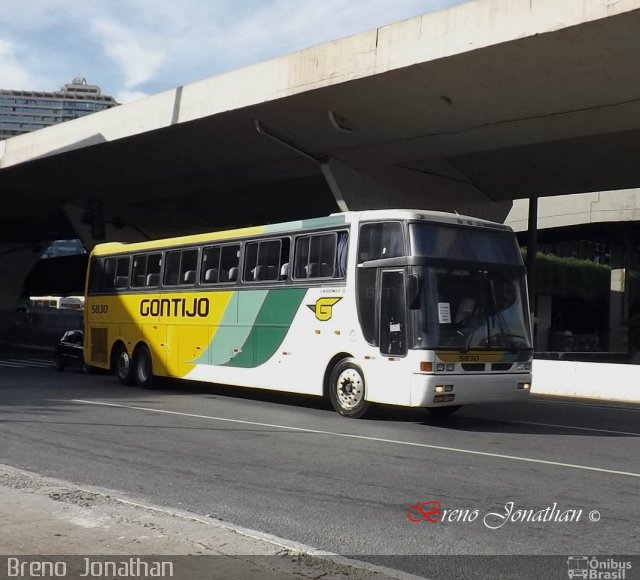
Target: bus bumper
{"points": [[468, 389]]}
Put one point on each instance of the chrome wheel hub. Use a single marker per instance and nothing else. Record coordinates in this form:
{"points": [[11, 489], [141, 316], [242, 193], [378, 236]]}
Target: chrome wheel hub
{"points": [[350, 388]]}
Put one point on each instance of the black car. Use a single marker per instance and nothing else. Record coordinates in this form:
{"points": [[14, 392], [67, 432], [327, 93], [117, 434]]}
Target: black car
{"points": [[68, 351]]}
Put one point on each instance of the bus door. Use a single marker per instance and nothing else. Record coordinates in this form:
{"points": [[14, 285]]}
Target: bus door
{"points": [[392, 312]]}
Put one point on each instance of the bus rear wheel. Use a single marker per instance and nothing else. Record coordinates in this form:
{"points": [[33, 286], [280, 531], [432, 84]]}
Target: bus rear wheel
{"points": [[142, 367], [347, 389], [122, 368]]}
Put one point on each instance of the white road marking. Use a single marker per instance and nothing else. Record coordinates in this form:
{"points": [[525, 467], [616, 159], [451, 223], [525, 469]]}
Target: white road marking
{"points": [[593, 405], [24, 363], [362, 437], [574, 427]]}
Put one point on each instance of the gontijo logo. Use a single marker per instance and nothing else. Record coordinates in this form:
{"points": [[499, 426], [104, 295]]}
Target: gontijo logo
{"points": [[323, 308]]}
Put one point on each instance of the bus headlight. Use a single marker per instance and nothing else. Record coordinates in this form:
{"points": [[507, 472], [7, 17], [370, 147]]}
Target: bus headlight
{"points": [[524, 386]]}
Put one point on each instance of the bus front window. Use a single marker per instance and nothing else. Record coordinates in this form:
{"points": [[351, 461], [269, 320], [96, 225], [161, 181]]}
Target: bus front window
{"points": [[467, 309]]}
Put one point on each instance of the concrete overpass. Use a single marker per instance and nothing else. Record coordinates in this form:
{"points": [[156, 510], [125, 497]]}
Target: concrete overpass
{"points": [[462, 109]]}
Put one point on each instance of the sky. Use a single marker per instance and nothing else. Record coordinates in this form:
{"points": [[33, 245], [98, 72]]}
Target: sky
{"points": [[135, 48]]}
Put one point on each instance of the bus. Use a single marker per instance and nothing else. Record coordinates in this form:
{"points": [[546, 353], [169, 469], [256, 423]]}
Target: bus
{"points": [[57, 302], [399, 307]]}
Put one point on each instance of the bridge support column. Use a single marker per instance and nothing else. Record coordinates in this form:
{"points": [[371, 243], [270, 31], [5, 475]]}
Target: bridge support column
{"points": [[621, 252], [355, 189]]}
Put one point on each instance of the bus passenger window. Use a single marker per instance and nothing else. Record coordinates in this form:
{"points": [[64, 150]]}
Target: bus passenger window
{"points": [[138, 272], [172, 269], [180, 268], [316, 256], [154, 263], [217, 263], [122, 272], [210, 264], [262, 260], [96, 275], [146, 270], [229, 260], [109, 273]]}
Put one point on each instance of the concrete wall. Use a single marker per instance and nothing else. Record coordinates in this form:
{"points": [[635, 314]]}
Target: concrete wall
{"points": [[578, 209], [611, 382]]}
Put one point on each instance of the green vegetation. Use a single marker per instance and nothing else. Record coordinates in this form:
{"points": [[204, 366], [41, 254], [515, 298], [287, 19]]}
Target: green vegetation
{"points": [[570, 277]]}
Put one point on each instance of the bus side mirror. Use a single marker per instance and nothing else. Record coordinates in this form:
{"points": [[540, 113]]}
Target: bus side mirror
{"points": [[413, 291]]}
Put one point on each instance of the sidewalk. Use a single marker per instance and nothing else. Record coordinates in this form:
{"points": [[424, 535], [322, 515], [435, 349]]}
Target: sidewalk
{"points": [[42, 516]]}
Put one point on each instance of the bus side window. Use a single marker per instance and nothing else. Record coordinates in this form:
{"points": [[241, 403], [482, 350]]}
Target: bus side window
{"points": [[138, 273], [180, 267], [315, 256], [146, 270], [341, 257], [229, 262], [96, 275], [262, 260], [122, 272], [109, 274], [154, 264], [210, 269], [218, 263], [172, 269], [380, 240], [188, 267]]}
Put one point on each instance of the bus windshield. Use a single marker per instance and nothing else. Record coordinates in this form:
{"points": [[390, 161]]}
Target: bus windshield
{"points": [[463, 243], [473, 308]]}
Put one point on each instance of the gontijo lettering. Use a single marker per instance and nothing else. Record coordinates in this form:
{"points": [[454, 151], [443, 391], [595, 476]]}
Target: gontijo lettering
{"points": [[190, 307]]}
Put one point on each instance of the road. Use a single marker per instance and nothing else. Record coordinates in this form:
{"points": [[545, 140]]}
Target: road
{"points": [[290, 466]]}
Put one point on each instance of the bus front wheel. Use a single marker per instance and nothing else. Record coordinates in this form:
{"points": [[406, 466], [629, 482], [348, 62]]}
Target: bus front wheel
{"points": [[122, 366], [142, 367], [347, 389]]}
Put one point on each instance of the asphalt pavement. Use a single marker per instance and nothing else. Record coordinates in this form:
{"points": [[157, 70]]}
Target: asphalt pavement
{"points": [[547, 477]]}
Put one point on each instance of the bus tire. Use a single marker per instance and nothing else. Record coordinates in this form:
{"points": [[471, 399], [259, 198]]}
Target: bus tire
{"points": [[143, 367], [87, 369], [347, 389], [443, 411], [122, 367]]}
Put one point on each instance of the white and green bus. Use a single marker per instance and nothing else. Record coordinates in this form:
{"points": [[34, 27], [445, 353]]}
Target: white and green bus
{"points": [[400, 307]]}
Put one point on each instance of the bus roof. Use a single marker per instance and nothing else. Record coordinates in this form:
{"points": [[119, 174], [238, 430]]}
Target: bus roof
{"points": [[335, 219]]}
